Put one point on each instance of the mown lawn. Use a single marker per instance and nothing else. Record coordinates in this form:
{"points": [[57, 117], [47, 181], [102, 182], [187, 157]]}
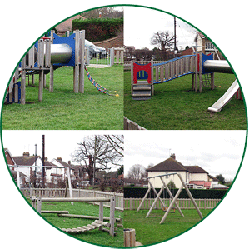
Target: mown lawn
{"points": [[149, 230], [95, 236], [175, 107], [63, 109]]}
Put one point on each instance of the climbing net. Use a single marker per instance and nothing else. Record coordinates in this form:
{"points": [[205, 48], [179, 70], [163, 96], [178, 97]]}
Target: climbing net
{"points": [[98, 86]]}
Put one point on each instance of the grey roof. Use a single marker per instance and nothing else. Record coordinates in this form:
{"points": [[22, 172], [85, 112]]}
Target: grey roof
{"points": [[195, 169], [169, 165]]}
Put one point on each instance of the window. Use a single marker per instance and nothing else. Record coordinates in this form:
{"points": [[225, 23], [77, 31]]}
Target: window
{"points": [[209, 46]]}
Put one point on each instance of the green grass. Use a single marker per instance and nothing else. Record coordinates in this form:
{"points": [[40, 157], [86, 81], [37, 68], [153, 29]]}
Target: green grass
{"points": [[149, 230], [175, 107], [95, 236], [63, 109]]}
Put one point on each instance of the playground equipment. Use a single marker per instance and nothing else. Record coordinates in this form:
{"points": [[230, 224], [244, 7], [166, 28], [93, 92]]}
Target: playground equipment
{"points": [[47, 55], [100, 224], [172, 199], [145, 75]]}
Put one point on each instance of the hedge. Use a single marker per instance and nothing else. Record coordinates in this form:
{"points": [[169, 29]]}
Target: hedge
{"points": [[139, 192], [98, 29]]}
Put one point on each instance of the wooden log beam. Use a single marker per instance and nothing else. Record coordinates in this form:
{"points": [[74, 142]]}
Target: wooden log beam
{"points": [[75, 199]]}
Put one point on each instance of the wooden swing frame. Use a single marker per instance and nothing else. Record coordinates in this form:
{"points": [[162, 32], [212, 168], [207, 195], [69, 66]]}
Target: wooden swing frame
{"points": [[173, 199]]}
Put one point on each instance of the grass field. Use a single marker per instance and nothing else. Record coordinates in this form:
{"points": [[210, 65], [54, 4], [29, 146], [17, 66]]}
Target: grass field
{"points": [[175, 107], [95, 236], [149, 230], [63, 109]]}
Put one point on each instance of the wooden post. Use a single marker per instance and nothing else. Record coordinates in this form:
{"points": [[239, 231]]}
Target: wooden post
{"points": [[112, 216], [40, 64], [16, 87], [100, 214], [200, 73], [190, 196], [171, 196], [171, 205], [40, 88], [39, 205], [129, 237], [143, 199], [156, 199], [196, 71], [82, 61], [23, 81], [33, 202], [76, 67]]}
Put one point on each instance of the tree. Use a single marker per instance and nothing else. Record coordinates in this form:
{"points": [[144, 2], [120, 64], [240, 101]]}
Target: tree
{"points": [[120, 170], [99, 152], [163, 40], [137, 172], [220, 178], [104, 12]]}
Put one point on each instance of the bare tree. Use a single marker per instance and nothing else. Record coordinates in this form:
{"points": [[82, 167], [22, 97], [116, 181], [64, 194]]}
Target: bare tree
{"points": [[98, 152], [137, 172], [163, 40]]}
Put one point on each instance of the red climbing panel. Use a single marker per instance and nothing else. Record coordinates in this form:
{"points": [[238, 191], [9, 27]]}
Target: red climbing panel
{"points": [[137, 68]]}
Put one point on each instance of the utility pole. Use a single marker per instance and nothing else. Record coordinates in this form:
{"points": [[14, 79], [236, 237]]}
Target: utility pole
{"points": [[175, 43], [43, 161], [35, 166]]}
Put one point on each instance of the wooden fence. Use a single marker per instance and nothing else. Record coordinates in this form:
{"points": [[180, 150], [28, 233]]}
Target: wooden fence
{"points": [[133, 203], [129, 125], [62, 192]]}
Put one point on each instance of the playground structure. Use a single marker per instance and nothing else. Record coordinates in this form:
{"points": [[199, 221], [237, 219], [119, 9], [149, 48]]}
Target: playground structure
{"points": [[100, 224], [50, 53], [202, 67], [173, 204]]}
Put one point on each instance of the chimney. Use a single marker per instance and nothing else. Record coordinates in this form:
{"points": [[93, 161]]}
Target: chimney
{"points": [[59, 159], [26, 154], [173, 156]]}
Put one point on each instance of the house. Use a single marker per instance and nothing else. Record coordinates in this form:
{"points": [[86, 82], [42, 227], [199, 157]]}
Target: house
{"points": [[65, 26], [9, 158], [194, 176], [135, 183], [205, 46]]}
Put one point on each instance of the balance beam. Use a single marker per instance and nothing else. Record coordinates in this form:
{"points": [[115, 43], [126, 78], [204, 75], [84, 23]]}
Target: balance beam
{"points": [[75, 199]]}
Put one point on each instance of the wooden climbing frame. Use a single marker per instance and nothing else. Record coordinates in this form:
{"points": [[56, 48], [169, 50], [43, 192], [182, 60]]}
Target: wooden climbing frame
{"points": [[37, 203]]}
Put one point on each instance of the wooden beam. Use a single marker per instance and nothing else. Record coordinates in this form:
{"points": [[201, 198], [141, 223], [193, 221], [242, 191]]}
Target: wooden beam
{"points": [[76, 199], [190, 196], [171, 196]]}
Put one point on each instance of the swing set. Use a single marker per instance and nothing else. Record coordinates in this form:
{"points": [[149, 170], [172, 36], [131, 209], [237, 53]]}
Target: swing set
{"points": [[173, 199]]}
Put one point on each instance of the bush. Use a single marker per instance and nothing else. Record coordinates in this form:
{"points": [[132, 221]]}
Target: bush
{"points": [[98, 29], [139, 192]]}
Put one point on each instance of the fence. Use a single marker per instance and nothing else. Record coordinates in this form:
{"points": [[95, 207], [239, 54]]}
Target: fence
{"points": [[129, 125], [62, 192], [133, 203]]}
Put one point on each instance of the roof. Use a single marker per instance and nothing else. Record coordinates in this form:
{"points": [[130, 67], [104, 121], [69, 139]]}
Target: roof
{"points": [[169, 165], [195, 169], [25, 160]]}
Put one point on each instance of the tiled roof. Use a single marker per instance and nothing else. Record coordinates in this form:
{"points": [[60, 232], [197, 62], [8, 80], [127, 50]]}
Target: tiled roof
{"points": [[169, 165], [25, 160], [195, 169]]}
